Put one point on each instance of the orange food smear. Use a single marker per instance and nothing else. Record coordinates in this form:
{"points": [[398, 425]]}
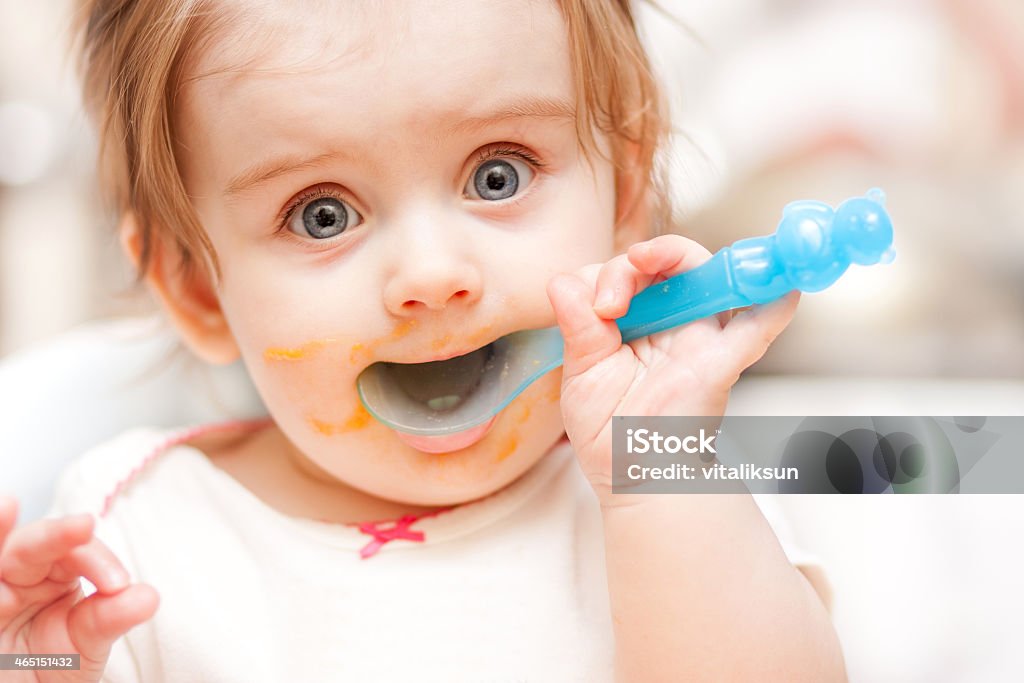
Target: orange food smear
{"points": [[400, 331], [296, 353], [283, 354], [325, 428], [359, 419], [358, 349], [508, 447], [444, 341], [479, 336]]}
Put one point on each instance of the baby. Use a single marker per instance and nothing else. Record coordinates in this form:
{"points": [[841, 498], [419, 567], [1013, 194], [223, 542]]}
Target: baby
{"points": [[314, 187]]}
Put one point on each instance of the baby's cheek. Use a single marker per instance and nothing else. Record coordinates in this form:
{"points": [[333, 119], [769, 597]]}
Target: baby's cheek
{"points": [[533, 420], [311, 385], [315, 381]]}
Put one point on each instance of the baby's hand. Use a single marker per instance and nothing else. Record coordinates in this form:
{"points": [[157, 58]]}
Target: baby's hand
{"points": [[687, 370], [42, 610]]}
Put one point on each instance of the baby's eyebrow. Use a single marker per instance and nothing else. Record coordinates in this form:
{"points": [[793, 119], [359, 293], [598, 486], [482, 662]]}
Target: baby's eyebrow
{"points": [[531, 108], [522, 108]]}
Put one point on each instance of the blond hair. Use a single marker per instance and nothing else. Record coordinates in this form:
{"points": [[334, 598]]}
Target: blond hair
{"points": [[133, 54]]}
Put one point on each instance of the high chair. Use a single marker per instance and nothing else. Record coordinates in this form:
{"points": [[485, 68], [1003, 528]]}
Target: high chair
{"points": [[70, 393]]}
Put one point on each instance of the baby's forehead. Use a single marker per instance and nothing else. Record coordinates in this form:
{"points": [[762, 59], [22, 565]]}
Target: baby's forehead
{"points": [[385, 83], [244, 38], [420, 48]]}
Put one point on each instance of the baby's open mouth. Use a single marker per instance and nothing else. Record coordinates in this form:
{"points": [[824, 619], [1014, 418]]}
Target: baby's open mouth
{"points": [[454, 401], [442, 392], [441, 385]]}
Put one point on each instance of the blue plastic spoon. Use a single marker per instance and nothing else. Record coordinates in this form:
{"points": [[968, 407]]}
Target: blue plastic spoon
{"points": [[812, 247]]}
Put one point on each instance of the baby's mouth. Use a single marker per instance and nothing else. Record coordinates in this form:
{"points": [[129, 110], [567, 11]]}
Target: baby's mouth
{"points": [[444, 405], [441, 384], [438, 389]]}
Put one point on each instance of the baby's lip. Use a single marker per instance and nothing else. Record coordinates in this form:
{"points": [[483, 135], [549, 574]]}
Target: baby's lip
{"points": [[445, 355], [448, 442], [452, 354]]}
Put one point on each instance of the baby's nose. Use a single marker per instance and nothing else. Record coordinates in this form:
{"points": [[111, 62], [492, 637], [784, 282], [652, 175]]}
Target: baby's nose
{"points": [[434, 262], [432, 281], [411, 293]]}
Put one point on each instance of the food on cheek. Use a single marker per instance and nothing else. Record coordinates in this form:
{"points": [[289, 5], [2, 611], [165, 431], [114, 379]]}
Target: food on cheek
{"points": [[361, 350], [311, 348], [367, 349], [297, 353], [481, 336], [508, 447], [358, 420], [511, 440]]}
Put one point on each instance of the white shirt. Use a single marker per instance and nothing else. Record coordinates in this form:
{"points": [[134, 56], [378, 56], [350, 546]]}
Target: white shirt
{"points": [[508, 588]]}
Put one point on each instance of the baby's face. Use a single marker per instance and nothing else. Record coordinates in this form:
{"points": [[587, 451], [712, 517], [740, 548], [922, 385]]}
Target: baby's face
{"points": [[392, 182]]}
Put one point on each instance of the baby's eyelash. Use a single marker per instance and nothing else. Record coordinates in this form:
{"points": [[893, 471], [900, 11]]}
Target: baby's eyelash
{"points": [[492, 152]]}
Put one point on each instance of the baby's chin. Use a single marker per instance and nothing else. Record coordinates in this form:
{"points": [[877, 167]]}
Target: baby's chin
{"points": [[471, 473]]}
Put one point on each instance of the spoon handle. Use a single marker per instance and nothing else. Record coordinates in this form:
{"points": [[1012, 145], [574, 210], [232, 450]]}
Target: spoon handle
{"points": [[689, 296], [812, 247]]}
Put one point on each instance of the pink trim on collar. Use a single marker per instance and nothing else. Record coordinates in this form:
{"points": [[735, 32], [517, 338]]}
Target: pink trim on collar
{"points": [[398, 529], [177, 440]]}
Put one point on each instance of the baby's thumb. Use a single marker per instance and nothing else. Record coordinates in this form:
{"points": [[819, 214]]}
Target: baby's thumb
{"points": [[588, 338], [100, 619]]}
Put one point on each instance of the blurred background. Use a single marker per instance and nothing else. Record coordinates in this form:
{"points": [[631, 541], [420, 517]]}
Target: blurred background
{"points": [[775, 100], [822, 99]]}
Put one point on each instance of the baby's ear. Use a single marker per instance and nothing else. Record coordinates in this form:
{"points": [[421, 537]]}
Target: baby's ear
{"points": [[186, 294], [633, 199]]}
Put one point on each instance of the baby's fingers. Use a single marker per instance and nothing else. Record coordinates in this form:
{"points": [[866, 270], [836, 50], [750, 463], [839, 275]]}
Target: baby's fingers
{"points": [[97, 621], [667, 254], [96, 562], [29, 552], [747, 336], [588, 338], [642, 264], [617, 282]]}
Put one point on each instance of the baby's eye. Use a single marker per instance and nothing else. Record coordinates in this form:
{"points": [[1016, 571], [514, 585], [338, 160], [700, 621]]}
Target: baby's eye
{"points": [[498, 179], [322, 217]]}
